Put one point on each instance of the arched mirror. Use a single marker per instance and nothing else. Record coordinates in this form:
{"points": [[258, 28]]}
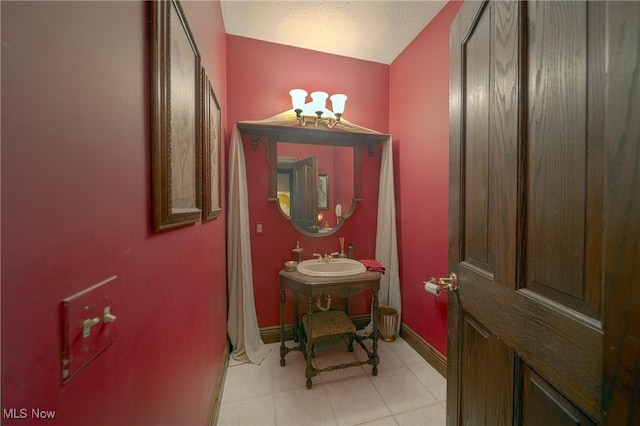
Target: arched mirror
{"points": [[315, 185], [314, 174]]}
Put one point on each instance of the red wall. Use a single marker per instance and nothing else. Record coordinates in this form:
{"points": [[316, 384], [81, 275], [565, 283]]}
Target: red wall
{"points": [[419, 123], [260, 75], [76, 210]]}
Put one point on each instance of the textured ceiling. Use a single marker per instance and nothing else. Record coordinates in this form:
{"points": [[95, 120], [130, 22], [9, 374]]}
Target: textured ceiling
{"points": [[371, 30]]}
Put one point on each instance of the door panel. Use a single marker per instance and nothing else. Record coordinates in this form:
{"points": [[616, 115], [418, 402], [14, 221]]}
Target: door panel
{"points": [[527, 208], [621, 395], [487, 375], [477, 228], [304, 203], [544, 405], [561, 153]]}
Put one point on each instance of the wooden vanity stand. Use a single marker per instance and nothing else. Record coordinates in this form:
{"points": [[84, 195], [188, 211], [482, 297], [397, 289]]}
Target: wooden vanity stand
{"points": [[304, 332]]}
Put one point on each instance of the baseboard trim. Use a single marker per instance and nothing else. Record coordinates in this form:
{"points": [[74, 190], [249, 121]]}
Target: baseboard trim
{"points": [[424, 348], [272, 334], [217, 393]]}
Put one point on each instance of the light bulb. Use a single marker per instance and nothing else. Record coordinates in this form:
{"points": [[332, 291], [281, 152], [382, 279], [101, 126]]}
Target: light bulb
{"points": [[298, 96], [319, 100], [337, 102]]}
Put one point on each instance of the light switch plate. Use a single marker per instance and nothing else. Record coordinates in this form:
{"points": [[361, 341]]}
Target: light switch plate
{"points": [[84, 338]]}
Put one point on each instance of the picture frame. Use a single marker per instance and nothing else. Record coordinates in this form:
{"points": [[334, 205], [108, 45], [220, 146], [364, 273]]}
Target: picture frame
{"points": [[211, 151], [323, 192], [175, 111]]}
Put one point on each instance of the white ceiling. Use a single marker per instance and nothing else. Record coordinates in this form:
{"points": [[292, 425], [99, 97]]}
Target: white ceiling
{"points": [[371, 30]]}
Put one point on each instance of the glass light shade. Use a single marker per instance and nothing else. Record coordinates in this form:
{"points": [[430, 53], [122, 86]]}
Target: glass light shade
{"points": [[298, 96], [337, 102], [319, 100]]}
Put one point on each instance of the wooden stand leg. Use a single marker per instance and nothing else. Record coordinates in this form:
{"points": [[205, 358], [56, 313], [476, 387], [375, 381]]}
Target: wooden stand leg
{"points": [[283, 349], [374, 313], [309, 373], [297, 335]]}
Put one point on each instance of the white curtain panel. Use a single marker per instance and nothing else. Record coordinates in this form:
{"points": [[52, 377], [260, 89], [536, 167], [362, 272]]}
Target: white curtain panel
{"points": [[242, 322], [386, 241]]}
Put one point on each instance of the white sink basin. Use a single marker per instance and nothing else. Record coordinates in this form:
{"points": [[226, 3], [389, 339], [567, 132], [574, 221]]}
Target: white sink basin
{"points": [[338, 267]]}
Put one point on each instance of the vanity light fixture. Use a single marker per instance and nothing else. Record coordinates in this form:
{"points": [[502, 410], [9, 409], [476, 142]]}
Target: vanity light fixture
{"points": [[316, 110]]}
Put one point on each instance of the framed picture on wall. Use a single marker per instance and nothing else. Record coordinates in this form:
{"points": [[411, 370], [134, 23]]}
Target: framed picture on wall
{"points": [[211, 140], [174, 73], [323, 192]]}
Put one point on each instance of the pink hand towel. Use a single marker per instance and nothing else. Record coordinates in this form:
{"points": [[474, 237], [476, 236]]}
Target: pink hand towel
{"points": [[373, 265]]}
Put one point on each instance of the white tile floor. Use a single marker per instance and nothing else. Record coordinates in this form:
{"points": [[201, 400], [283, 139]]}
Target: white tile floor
{"points": [[406, 391]]}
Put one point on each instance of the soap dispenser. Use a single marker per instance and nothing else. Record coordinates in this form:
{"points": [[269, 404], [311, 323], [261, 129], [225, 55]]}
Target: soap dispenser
{"points": [[296, 253]]}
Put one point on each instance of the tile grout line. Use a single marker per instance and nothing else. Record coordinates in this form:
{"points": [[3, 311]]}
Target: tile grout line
{"points": [[371, 377], [397, 350]]}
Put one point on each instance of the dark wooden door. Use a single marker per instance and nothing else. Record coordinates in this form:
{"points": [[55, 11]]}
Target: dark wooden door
{"points": [[544, 214], [304, 200]]}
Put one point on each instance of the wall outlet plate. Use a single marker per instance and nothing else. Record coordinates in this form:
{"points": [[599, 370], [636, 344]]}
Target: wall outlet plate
{"points": [[85, 334]]}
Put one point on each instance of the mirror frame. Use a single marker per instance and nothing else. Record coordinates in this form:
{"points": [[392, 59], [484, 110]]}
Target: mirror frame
{"points": [[270, 135]]}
